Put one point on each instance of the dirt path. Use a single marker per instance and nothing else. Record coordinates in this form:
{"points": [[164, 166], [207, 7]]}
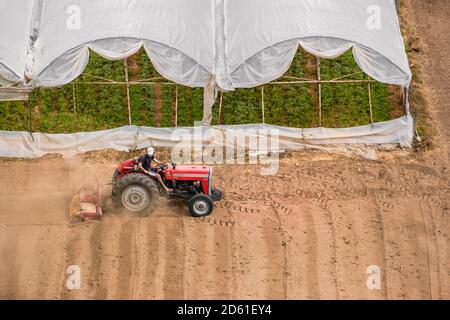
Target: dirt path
{"points": [[307, 233], [431, 21], [311, 231]]}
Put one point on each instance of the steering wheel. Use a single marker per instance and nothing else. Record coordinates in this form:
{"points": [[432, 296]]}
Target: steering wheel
{"points": [[162, 166]]}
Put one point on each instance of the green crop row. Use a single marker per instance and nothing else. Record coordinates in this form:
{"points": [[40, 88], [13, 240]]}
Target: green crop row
{"points": [[100, 106]]}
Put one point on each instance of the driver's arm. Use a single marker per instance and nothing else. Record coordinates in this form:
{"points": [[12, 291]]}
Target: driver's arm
{"points": [[161, 165]]}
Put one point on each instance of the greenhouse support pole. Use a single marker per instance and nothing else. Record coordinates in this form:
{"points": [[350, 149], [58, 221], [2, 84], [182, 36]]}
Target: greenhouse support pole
{"points": [[369, 87], [125, 63], [319, 79], [406, 101], [176, 106], [209, 99], [263, 106]]}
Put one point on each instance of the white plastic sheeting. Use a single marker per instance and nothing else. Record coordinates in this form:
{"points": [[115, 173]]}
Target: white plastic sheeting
{"points": [[215, 44], [262, 37], [6, 95], [23, 145], [238, 43], [178, 31], [171, 63], [15, 21]]}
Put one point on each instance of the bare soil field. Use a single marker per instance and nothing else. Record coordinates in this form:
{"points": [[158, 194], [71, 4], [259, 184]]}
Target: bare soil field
{"points": [[309, 232]]}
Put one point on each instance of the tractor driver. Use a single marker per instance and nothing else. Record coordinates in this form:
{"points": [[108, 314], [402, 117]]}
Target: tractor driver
{"points": [[145, 164]]}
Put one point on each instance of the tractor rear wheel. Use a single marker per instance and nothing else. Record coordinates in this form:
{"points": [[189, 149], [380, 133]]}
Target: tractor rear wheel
{"points": [[201, 205], [136, 193], [115, 176]]}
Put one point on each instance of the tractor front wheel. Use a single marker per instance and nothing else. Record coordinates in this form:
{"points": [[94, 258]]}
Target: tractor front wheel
{"points": [[135, 193], [200, 205], [216, 195]]}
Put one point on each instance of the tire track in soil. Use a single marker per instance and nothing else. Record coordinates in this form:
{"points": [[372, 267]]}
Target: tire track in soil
{"points": [[435, 217], [223, 259], [234, 257], [195, 246], [252, 256], [320, 242], [26, 275], [311, 266], [380, 219], [332, 225], [69, 258], [209, 261], [432, 255], [9, 267], [173, 274], [294, 251], [127, 259], [61, 286], [276, 244], [153, 282], [419, 250], [439, 216], [439, 221], [241, 253], [440, 249], [30, 276], [141, 248], [53, 250], [108, 243], [431, 23], [80, 254], [95, 241], [357, 247], [137, 263], [274, 252], [406, 250]]}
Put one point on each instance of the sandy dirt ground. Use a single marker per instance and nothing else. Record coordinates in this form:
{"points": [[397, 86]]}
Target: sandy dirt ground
{"points": [[309, 232]]}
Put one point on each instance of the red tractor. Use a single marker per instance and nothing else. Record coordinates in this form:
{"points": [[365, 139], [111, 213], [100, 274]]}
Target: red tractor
{"points": [[137, 192]]}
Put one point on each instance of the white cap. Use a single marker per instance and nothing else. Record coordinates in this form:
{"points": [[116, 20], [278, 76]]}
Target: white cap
{"points": [[150, 151]]}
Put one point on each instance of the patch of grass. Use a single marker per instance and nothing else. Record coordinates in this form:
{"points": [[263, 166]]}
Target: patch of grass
{"points": [[289, 105], [347, 105], [190, 105], [14, 116], [242, 106], [417, 100]]}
